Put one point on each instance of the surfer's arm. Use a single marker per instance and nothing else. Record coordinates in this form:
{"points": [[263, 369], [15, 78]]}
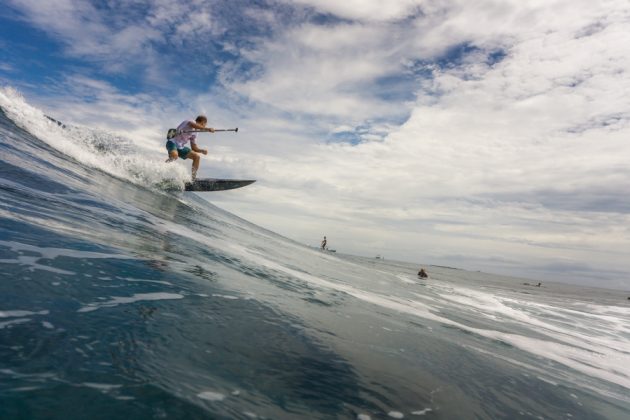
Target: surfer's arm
{"points": [[200, 127]]}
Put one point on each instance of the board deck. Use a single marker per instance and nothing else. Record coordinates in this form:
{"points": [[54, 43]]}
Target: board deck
{"points": [[214, 184]]}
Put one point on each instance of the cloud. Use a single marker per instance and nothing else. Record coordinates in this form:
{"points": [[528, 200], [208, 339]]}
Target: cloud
{"points": [[327, 60], [365, 10], [148, 37], [8, 68]]}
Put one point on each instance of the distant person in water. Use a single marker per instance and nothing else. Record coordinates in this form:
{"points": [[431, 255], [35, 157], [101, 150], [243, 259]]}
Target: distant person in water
{"points": [[423, 274], [324, 242], [535, 285], [176, 146]]}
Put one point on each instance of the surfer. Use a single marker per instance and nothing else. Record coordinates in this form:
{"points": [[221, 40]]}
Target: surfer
{"points": [[176, 146], [324, 244], [422, 274]]}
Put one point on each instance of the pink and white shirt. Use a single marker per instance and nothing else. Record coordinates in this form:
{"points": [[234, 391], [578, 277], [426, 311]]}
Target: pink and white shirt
{"points": [[182, 138]]}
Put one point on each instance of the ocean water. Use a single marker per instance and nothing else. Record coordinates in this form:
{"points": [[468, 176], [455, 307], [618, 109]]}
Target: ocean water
{"points": [[119, 299]]}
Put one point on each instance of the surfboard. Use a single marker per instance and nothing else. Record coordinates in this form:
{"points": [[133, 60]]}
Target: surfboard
{"points": [[215, 184]]}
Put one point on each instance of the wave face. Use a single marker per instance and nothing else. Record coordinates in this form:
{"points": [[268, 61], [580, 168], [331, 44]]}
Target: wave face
{"points": [[124, 301]]}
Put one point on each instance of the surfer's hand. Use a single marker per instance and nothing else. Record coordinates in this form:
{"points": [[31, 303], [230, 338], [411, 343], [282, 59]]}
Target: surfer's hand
{"points": [[204, 151], [210, 129]]}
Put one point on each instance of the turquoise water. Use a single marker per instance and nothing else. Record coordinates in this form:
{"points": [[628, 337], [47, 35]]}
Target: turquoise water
{"points": [[119, 300]]}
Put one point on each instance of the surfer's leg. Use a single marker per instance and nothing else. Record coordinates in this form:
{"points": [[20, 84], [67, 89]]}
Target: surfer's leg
{"points": [[171, 148], [195, 163], [172, 155]]}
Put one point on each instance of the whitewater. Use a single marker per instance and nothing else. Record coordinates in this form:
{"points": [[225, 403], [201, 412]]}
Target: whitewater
{"points": [[123, 298]]}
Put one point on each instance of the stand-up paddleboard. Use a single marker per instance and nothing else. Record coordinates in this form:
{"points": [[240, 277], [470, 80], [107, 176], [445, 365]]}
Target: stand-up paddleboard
{"points": [[214, 184]]}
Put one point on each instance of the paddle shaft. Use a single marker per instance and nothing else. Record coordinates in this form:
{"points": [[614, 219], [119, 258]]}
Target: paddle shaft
{"points": [[218, 129]]}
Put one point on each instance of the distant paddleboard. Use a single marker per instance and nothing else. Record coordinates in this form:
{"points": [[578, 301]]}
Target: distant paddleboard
{"points": [[214, 184]]}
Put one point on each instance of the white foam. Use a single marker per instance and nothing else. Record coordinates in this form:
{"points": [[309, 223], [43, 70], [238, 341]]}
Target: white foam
{"points": [[100, 386], [597, 352], [421, 412], [120, 300], [11, 314], [24, 389], [99, 149], [532, 314], [229, 297], [32, 264], [46, 253], [167, 283], [608, 310], [211, 396], [405, 279], [396, 414], [15, 374], [52, 253], [3, 325]]}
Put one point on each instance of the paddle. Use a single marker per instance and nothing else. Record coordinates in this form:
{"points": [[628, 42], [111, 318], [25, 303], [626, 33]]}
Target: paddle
{"points": [[215, 130], [173, 132]]}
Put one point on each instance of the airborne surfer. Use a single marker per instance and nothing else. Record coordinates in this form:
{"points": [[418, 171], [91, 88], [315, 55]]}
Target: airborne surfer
{"points": [[177, 140]]}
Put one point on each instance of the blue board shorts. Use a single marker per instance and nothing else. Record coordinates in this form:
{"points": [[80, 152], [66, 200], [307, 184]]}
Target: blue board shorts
{"points": [[182, 153]]}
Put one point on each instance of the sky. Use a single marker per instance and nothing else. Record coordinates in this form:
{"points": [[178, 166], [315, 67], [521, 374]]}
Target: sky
{"points": [[486, 135]]}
